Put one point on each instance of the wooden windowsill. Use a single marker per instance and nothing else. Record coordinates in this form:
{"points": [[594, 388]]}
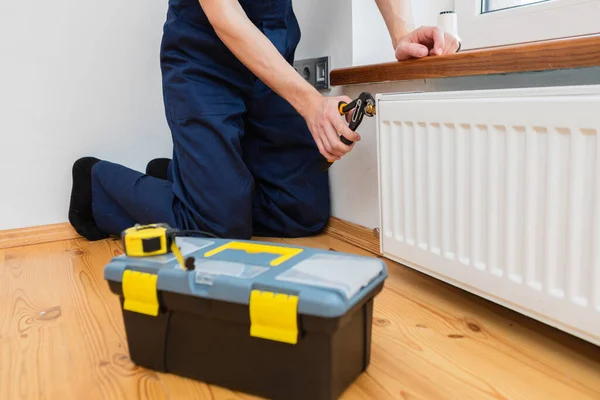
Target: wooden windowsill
{"points": [[569, 53]]}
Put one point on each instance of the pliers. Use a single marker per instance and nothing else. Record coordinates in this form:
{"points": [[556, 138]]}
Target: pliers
{"points": [[363, 105]]}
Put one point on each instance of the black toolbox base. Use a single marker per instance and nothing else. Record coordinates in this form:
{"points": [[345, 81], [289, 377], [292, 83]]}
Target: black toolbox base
{"points": [[210, 341]]}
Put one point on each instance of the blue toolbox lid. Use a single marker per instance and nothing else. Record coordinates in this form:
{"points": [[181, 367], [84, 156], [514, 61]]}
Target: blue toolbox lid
{"points": [[325, 283]]}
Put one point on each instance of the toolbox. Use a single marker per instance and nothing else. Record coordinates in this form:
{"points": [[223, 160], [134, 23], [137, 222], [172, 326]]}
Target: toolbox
{"points": [[269, 319]]}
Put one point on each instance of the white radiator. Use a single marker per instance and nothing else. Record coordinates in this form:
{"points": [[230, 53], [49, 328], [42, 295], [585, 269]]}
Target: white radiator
{"points": [[498, 192]]}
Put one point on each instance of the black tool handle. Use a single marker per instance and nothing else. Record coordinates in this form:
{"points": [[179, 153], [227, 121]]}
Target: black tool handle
{"points": [[346, 141], [357, 116]]}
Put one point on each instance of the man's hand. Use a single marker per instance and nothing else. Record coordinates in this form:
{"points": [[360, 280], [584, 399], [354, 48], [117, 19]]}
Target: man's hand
{"points": [[326, 125], [427, 40]]}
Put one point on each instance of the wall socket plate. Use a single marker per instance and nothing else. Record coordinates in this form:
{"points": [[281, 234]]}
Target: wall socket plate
{"points": [[315, 71]]}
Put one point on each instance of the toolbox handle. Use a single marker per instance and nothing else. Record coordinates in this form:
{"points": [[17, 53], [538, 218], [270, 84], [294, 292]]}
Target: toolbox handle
{"points": [[284, 253]]}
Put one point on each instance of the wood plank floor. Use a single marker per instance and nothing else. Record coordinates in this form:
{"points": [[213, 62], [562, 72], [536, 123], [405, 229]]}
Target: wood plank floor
{"points": [[62, 337]]}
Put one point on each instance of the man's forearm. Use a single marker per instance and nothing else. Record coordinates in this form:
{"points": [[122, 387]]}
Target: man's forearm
{"points": [[398, 18], [259, 55]]}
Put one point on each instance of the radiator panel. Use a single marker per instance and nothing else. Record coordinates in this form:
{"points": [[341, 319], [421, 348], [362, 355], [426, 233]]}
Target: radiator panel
{"points": [[498, 192]]}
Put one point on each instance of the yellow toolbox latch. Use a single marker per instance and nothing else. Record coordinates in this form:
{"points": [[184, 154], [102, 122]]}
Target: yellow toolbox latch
{"points": [[139, 291], [274, 316]]}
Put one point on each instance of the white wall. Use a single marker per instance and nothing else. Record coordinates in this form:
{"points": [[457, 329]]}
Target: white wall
{"points": [[77, 78], [354, 178], [371, 39], [326, 32]]}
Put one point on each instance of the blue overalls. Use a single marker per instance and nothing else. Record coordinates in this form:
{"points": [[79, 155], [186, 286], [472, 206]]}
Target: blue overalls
{"points": [[244, 162]]}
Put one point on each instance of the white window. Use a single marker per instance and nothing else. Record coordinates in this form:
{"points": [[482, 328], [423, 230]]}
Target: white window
{"points": [[488, 23]]}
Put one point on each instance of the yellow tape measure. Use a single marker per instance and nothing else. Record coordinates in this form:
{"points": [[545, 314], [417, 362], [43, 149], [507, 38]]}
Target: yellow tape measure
{"points": [[151, 240]]}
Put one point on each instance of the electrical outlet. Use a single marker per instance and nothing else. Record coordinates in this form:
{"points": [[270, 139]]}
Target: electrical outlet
{"points": [[315, 71]]}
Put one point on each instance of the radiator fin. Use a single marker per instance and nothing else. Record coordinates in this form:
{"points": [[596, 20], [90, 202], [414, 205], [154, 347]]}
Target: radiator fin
{"points": [[390, 182], [448, 190], [398, 215], [434, 197], [594, 282]]}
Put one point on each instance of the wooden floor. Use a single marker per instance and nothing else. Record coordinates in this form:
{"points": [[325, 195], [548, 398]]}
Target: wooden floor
{"points": [[62, 337]]}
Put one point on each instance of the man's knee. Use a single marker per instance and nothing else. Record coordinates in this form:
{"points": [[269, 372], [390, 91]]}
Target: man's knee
{"points": [[292, 216], [240, 229], [313, 215], [228, 216]]}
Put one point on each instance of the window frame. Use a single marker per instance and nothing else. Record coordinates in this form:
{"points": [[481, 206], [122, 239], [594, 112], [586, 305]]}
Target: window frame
{"points": [[553, 19]]}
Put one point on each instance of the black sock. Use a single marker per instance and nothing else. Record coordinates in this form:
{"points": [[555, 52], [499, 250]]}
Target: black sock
{"points": [[158, 168], [80, 208]]}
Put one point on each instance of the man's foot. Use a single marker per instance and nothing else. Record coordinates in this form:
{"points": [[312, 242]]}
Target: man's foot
{"points": [[80, 208], [158, 168]]}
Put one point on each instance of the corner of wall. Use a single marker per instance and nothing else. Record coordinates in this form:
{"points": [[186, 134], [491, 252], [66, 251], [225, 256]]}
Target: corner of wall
{"points": [[371, 42], [328, 32]]}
